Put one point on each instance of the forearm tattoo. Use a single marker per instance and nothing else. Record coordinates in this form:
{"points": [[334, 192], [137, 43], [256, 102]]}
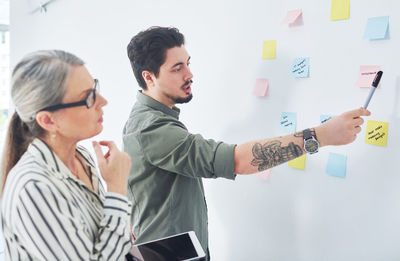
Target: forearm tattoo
{"points": [[272, 154]]}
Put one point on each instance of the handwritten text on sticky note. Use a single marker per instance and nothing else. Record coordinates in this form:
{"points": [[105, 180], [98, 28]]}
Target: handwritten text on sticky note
{"points": [[366, 75], [323, 118], [301, 68], [377, 133], [288, 122]]}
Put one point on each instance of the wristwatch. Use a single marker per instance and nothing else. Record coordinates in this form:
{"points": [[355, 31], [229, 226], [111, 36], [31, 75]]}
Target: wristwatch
{"points": [[311, 144]]}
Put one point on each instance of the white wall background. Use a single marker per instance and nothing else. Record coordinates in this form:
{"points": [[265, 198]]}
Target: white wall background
{"points": [[296, 215]]}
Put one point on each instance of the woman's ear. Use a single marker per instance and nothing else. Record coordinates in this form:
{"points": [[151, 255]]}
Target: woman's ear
{"points": [[45, 120]]}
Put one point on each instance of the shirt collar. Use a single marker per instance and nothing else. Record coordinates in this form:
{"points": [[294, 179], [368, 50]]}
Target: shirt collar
{"points": [[44, 154], [150, 102]]}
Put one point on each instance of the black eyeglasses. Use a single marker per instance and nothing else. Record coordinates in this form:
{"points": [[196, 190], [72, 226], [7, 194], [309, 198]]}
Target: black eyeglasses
{"points": [[89, 101]]}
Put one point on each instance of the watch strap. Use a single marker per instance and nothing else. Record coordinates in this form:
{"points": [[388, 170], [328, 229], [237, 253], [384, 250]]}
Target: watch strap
{"points": [[307, 134]]}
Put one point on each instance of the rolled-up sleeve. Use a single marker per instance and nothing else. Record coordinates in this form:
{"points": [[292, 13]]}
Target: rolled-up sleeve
{"points": [[168, 145], [224, 163]]}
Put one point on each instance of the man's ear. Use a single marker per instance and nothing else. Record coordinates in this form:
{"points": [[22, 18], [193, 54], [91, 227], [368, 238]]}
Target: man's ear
{"points": [[148, 78], [45, 120]]}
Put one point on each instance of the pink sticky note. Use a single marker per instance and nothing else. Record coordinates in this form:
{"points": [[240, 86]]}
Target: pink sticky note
{"points": [[366, 75], [264, 175], [292, 16], [261, 87]]}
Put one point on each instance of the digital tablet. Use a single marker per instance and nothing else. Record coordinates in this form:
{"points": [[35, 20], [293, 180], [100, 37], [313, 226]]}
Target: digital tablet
{"points": [[183, 246]]}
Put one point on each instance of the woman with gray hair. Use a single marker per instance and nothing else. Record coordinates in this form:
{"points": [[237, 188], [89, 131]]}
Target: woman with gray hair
{"points": [[53, 205]]}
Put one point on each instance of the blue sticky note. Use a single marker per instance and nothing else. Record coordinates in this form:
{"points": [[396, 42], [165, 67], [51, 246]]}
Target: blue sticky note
{"points": [[336, 165], [3, 118], [376, 28], [323, 118], [301, 68], [287, 123]]}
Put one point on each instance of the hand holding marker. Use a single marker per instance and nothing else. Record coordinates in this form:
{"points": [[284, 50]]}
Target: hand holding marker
{"points": [[375, 83]]}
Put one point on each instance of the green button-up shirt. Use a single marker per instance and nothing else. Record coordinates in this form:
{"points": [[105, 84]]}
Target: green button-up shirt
{"points": [[168, 162]]}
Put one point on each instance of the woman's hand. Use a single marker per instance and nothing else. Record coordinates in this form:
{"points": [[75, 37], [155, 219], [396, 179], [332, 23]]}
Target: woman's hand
{"points": [[114, 166]]}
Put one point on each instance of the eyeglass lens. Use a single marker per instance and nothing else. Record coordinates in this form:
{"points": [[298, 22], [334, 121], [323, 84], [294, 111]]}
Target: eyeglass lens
{"points": [[91, 99]]}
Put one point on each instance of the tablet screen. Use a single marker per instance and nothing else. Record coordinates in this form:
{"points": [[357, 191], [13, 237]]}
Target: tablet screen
{"points": [[179, 247]]}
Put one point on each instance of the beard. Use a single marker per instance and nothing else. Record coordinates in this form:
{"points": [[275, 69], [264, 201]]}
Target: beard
{"points": [[180, 100], [183, 100]]}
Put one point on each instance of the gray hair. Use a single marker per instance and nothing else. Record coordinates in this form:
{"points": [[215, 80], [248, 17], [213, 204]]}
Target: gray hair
{"points": [[40, 80]]}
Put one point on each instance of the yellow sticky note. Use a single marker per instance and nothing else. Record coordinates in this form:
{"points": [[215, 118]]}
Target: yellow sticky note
{"points": [[340, 10], [298, 163], [269, 49], [377, 132]]}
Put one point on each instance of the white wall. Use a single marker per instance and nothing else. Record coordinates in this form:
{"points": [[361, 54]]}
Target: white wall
{"points": [[297, 215]]}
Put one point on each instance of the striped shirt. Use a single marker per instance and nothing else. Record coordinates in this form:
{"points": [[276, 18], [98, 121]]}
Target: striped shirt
{"points": [[48, 214]]}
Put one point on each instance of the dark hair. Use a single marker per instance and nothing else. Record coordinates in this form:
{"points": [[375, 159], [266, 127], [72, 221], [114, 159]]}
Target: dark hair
{"points": [[17, 140], [147, 50]]}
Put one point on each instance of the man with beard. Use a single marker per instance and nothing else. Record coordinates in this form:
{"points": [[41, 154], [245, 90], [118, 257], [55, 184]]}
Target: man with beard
{"points": [[165, 183]]}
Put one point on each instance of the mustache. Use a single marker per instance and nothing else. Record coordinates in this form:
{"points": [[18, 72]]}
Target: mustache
{"points": [[187, 83]]}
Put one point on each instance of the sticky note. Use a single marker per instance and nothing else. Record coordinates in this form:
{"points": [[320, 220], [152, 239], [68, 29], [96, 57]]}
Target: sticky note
{"points": [[336, 165], [261, 87], [323, 118], [264, 175], [376, 28], [269, 49], [377, 132], [340, 10], [366, 75], [3, 117], [301, 68], [288, 122], [292, 17], [298, 163]]}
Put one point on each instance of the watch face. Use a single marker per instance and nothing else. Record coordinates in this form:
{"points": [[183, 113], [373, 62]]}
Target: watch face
{"points": [[311, 146]]}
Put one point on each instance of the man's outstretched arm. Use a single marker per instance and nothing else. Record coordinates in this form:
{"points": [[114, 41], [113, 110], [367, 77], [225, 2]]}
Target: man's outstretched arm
{"points": [[260, 155]]}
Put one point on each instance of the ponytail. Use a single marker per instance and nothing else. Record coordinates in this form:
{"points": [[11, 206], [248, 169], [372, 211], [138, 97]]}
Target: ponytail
{"points": [[38, 80], [18, 138]]}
